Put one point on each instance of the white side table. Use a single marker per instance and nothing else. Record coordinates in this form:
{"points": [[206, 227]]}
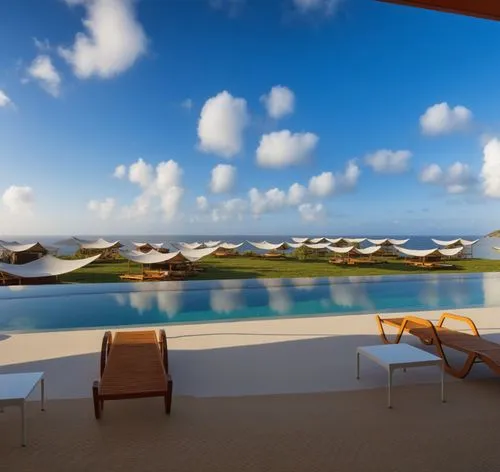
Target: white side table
{"points": [[399, 356], [16, 388]]}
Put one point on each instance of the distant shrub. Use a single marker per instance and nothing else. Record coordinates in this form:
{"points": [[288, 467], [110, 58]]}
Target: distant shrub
{"points": [[302, 253], [249, 253]]}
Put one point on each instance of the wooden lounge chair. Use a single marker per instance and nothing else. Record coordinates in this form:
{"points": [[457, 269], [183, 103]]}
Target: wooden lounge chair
{"points": [[477, 348], [133, 365]]}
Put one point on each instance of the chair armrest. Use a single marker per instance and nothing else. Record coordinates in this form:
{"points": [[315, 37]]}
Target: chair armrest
{"points": [[463, 319]]}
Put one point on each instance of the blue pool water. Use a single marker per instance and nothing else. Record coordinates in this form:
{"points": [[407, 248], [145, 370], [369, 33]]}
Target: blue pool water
{"points": [[78, 306]]}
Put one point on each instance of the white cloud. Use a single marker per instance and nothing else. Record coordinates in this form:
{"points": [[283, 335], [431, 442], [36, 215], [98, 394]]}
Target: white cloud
{"points": [[328, 183], [442, 119], [202, 203], [283, 148], [162, 185], [223, 178], [120, 171], [490, 172], [310, 212], [279, 102], [170, 200], [328, 7], [222, 121], [389, 162], [113, 40], [103, 208], [140, 173], [296, 194], [457, 178], [265, 202], [230, 210], [43, 71], [187, 104], [4, 99], [432, 174], [18, 199], [322, 185]]}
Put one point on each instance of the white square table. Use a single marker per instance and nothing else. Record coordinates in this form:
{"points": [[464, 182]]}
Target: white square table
{"points": [[16, 388], [399, 356]]}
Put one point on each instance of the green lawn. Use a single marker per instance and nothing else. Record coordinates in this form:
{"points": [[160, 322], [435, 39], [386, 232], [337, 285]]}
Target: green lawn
{"points": [[255, 267]]}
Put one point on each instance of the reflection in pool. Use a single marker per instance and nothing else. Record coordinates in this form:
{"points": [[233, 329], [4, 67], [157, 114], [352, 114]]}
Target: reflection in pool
{"points": [[108, 305]]}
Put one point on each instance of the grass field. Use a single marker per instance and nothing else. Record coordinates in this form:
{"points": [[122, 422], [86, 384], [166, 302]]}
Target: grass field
{"points": [[255, 267]]}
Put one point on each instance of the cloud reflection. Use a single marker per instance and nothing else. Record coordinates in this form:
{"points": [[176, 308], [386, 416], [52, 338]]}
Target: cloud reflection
{"points": [[165, 301], [279, 297], [352, 294], [228, 298]]}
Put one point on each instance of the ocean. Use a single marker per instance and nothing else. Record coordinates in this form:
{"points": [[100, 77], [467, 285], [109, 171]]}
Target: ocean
{"points": [[483, 249]]}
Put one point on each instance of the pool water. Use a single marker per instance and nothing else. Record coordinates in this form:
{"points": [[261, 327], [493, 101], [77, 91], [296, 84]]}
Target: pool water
{"points": [[79, 306]]}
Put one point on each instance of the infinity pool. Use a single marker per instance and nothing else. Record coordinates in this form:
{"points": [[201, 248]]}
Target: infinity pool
{"points": [[79, 306]]}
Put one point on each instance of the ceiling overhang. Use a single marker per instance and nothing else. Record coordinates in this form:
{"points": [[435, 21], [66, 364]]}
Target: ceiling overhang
{"points": [[480, 8]]}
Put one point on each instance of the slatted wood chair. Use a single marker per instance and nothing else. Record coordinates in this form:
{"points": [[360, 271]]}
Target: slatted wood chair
{"points": [[473, 345], [134, 364]]}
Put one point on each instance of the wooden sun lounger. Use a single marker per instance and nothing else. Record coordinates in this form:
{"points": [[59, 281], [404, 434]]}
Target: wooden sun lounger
{"points": [[477, 348], [133, 365]]}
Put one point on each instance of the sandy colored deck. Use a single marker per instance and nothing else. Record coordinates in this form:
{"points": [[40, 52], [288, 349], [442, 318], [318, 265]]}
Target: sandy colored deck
{"points": [[344, 431]]}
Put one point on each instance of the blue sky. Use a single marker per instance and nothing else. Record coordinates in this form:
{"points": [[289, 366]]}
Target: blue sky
{"points": [[385, 117]]}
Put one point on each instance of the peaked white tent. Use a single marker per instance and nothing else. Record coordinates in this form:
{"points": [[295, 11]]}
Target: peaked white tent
{"points": [[231, 245], [212, 243], [300, 240], [368, 251], [99, 244], [145, 244], [153, 257], [453, 242], [388, 241], [429, 252], [265, 246], [340, 250], [46, 266], [354, 240], [194, 255], [17, 247], [318, 240]]}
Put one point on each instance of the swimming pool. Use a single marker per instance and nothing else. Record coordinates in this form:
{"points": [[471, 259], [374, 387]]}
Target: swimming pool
{"points": [[79, 306]]}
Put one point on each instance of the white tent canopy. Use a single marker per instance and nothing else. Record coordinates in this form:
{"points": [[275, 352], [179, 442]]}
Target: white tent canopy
{"points": [[340, 250], [394, 242], [152, 257], [452, 242], [212, 243], [16, 247], [265, 246], [428, 252], [46, 266], [318, 245], [146, 244], [98, 244], [231, 245], [354, 240], [194, 255], [368, 251], [300, 240], [318, 240], [334, 240]]}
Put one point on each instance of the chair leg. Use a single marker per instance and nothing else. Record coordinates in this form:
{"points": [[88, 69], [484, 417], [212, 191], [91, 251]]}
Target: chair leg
{"points": [[168, 398], [97, 401]]}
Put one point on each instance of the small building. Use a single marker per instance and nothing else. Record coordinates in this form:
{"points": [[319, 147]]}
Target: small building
{"points": [[16, 253]]}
